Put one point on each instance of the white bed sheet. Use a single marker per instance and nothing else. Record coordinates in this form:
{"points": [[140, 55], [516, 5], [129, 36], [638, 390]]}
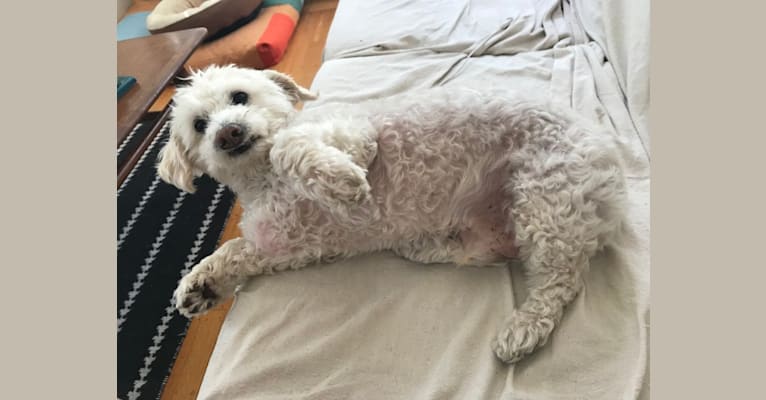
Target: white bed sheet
{"points": [[378, 327], [448, 25]]}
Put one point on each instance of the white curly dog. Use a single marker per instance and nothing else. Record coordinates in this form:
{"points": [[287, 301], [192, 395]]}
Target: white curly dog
{"points": [[436, 176]]}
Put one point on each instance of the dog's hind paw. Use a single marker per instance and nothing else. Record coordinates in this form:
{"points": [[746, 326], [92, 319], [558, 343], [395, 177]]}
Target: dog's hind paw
{"points": [[196, 295], [522, 335]]}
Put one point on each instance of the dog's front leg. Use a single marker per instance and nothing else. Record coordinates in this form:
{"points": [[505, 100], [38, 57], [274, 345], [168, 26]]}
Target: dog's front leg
{"points": [[326, 162], [216, 277]]}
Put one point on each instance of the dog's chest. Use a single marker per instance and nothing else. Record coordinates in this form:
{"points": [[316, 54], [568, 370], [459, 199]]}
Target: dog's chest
{"points": [[263, 232], [280, 227]]}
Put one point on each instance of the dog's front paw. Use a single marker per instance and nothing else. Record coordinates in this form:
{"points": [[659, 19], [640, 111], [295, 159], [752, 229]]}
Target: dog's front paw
{"points": [[348, 186], [352, 187], [196, 294], [521, 336]]}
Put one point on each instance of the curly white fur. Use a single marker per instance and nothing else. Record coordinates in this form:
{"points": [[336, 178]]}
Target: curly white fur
{"points": [[445, 175]]}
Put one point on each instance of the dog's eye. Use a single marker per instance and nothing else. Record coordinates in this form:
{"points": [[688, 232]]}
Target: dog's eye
{"points": [[200, 125], [239, 98]]}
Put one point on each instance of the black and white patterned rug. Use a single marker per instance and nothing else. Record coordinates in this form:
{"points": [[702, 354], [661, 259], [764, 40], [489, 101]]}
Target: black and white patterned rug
{"points": [[161, 233]]}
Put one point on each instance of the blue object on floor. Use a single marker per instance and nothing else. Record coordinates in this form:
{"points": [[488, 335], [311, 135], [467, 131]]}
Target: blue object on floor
{"points": [[133, 26], [123, 84]]}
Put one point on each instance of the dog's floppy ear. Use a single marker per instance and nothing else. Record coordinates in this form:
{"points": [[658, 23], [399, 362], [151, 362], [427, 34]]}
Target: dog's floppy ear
{"points": [[295, 91], [175, 167]]}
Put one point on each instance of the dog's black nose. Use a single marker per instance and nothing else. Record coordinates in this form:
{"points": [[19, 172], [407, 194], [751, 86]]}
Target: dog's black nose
{"points": [[229, 137]]}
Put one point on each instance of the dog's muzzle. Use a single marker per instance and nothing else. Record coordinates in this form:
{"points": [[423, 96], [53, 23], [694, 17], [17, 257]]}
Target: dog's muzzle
{"points": [[232, 138]]}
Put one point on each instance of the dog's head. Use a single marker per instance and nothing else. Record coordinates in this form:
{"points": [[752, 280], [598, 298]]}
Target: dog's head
{"points": [[224, 120]]}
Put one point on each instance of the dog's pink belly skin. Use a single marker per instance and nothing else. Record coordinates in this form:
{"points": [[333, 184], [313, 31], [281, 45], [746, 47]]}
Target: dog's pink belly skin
{"points": [[487, 241], [265, 238], [487, 233]]}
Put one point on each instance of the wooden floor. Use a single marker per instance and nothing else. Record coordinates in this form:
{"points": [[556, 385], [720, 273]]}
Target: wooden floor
{"points": [[301, 61]]}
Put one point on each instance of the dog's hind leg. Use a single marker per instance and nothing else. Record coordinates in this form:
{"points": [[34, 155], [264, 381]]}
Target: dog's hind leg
{"points": [[555, 240], [554, 281]]}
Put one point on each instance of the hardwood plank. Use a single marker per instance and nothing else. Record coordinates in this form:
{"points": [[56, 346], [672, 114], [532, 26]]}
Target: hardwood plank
{"points": [[302, 59], [321, 5], [163, 100], [141, 6]]}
